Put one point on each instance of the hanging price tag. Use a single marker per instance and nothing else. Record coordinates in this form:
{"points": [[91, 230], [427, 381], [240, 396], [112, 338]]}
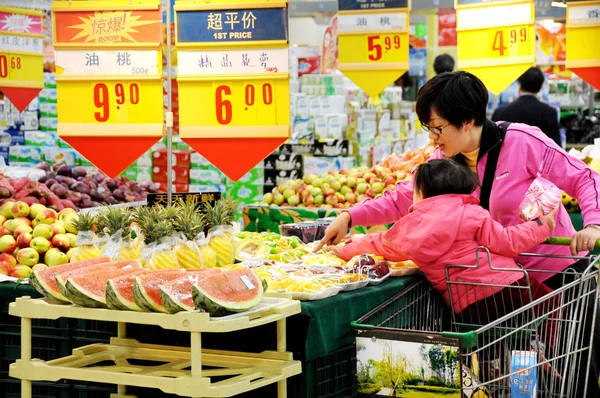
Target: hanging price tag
{"points": [[21, 55], [373, 43], [496, 41], [583, 28]]}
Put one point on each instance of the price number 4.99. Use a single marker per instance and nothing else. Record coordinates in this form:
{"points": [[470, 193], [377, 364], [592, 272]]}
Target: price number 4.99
{"points": [[514, 36], [376, 48], [224, 108], [102, 98], [5, 62]]}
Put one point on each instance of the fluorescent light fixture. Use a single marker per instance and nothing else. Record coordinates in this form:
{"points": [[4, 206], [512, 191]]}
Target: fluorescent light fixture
{"points": [[559, 4]]}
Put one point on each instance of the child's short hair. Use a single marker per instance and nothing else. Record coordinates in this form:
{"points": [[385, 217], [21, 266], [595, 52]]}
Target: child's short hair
{"points": [[444, 176]]}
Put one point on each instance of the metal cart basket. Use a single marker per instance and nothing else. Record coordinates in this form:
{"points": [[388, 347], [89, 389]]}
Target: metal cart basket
{"points": [[534, 347]]}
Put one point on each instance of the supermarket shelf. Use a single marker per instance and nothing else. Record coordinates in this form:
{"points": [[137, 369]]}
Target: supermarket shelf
{"points": [[275, 309], [127, 362]]}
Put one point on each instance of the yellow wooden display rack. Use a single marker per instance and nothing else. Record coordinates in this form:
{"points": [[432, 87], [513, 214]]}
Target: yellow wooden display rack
{"points": [[178, 369]]}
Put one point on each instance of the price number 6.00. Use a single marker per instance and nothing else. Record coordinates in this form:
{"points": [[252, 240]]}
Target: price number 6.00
{"points": [[224, 107], [102, 98]]}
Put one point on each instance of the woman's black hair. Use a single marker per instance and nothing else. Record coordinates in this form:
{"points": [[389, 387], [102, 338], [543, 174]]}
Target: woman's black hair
{"points": [[458, 97], [444, 176]]}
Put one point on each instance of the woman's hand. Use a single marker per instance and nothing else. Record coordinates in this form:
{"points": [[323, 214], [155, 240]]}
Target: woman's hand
{"points": [[550, 219], [584, 240], [336, 231]]}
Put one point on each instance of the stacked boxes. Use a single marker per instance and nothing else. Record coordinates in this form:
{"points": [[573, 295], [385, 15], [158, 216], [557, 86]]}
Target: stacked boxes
{"points": [[204, 177], [181, 162]]}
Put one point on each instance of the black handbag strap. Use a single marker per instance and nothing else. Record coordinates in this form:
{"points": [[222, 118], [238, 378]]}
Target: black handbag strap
{"points": [[490, 169]]}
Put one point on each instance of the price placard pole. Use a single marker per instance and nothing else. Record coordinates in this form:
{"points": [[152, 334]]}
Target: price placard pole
{"points": [[169, 115]]}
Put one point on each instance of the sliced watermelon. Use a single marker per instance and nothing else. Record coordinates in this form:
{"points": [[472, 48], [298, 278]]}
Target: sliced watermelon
{"points": [[119, 292], [61, 278], [146, 293], [44, 280], [176, 296], [89, 289], [229, 292]]}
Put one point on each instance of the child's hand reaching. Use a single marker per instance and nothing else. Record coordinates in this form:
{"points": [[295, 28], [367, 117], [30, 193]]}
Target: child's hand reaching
{"points": [[550, 219]]}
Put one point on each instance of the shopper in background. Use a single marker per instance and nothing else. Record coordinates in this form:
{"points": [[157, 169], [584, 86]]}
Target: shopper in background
{"points": [[529, 109], [443, 63], [452, 108]]}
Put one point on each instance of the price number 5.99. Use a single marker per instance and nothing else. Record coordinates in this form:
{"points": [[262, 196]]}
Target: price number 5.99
{"points": [[121, 95], [380, 45], [256, 98], [509, 42]]}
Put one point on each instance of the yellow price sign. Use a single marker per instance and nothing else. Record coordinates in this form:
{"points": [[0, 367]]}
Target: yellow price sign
{"points": [[496, 42], [376, 48], [234, 108], [583, 26], [20, 68], [110, 108]]}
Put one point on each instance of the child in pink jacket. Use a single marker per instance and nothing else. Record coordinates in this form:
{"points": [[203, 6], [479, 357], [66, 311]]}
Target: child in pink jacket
{"points": [[444, 226]]}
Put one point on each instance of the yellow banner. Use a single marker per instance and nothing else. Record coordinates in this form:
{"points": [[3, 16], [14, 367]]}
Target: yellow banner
{"points": [[496, 42], [583, 31]]}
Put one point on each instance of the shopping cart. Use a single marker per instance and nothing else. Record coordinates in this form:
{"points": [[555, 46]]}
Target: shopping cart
{"points": [[543, 345]]}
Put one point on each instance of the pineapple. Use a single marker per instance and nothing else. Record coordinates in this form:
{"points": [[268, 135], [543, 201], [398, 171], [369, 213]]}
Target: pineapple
{"points": [[189, 223], [155, 228], [86, 247], [208, 256], [219, 217], [116, 223]]}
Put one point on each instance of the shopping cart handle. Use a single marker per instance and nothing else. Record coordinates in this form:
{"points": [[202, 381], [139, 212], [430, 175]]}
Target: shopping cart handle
{"points": [[564, 241], [360, 326]]}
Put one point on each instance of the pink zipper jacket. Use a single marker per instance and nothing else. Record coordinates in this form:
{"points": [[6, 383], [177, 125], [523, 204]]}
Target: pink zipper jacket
{"points": [[448, 229], [526, 151]]}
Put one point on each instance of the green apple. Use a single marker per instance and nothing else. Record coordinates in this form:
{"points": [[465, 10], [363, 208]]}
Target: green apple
{"points": [[21, 272], [28, 256], [55, 257], [35, 209], [43, 231], [40, 245], [8, 244], [6, 209]]}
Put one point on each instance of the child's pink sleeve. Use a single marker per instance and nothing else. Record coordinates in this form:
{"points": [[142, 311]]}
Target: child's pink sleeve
{"points": [[372, 244], [510, 241]]}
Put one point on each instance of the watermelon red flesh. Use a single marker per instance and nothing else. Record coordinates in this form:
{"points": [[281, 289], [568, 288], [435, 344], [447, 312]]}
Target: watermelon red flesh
{"points": [[119, 292], [89, 290], [228, 292], [176, 296], [61, 279], [44, 281], [146, 289]]}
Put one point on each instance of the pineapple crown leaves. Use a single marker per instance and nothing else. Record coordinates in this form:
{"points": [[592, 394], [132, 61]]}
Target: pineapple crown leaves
{"points": [[152, 223], [113, 220], [221, 213], [84, 222], [188, 220]]}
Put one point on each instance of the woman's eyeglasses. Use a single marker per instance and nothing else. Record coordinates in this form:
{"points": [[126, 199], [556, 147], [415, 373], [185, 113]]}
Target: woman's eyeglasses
{"points": [[437, 131]]}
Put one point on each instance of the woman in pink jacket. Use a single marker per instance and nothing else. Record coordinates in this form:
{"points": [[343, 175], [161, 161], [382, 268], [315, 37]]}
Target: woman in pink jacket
{"points": [[507, 158]]}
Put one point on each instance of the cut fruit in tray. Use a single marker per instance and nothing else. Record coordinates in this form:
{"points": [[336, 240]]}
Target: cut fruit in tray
{"points": [[89, 289]]}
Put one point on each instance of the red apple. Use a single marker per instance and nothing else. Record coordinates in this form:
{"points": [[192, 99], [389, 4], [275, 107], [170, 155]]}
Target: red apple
{"points": [[65, 212], [6, 209], [22, 221], [9, 258], [20, 209], [47, 216], [28, 256], [5, 231], [24, 240], [328, 192], [35, 209], [7, 244], [22, 229], [58, 227], [2, 220], [351, 197], [6, 268], [371, 193], [21, 272], [389, 180]]}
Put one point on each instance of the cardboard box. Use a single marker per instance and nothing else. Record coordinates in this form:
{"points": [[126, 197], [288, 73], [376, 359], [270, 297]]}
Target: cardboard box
{"points": [[25, 154], [278, 177], [18, 136], [207, 188], [181, 175], [283, 162], [306, 148], [179, 188], [179, 159], [245, 193], [40, 138], [524, 383], [206, 177], [199, 161], [64, 155], [323, 165], [332, 148], [4, 155], [255, 176], [139, 174]]}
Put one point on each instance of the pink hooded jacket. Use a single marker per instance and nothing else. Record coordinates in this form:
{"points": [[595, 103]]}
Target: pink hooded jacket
{"points": [[448, 229], [526, 151]]}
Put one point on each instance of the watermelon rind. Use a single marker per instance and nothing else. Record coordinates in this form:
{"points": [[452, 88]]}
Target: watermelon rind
{"points": [[215, 307], [142, 300], [79, 296], [172, 306], [115, 301]]}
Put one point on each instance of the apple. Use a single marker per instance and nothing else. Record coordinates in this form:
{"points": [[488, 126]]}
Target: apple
{"points": [[40, 245], [275, 191], [72, 238], [361, 181], [348, 205], [293, 200], [28, 256], [22, 229], [38, 266], [288, 193], [69, 223], [6, 268], [341, 198], [345, 189], [331, 200], [309, 178], [319, 200], [328, 192], [58, 227], [9, 258], [16, 252], [317, 182], [278, 200], [309, 200], [328, 179], [22, 221], [55, 257], [284, 187], [6, 209], [362, 198], [20, 209], [43, 231], [70, 253], [344, 172], [339, 206], [10, 225], [47, 216], [325, 186], [64, 213], [36, 208], [5, 231], [389, 180], [24, 240], [7, 244], [296, 184], [268, 198], [361, 188], [377, 186], [2, 219], [351, 197], [336, 185], [21, 272], [371, 193], [369, 176], [316, 192]]}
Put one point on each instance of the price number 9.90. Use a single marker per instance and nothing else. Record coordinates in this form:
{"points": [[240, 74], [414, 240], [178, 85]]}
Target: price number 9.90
{"points": [[122, 93], [378, 46], [223, 101]]}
